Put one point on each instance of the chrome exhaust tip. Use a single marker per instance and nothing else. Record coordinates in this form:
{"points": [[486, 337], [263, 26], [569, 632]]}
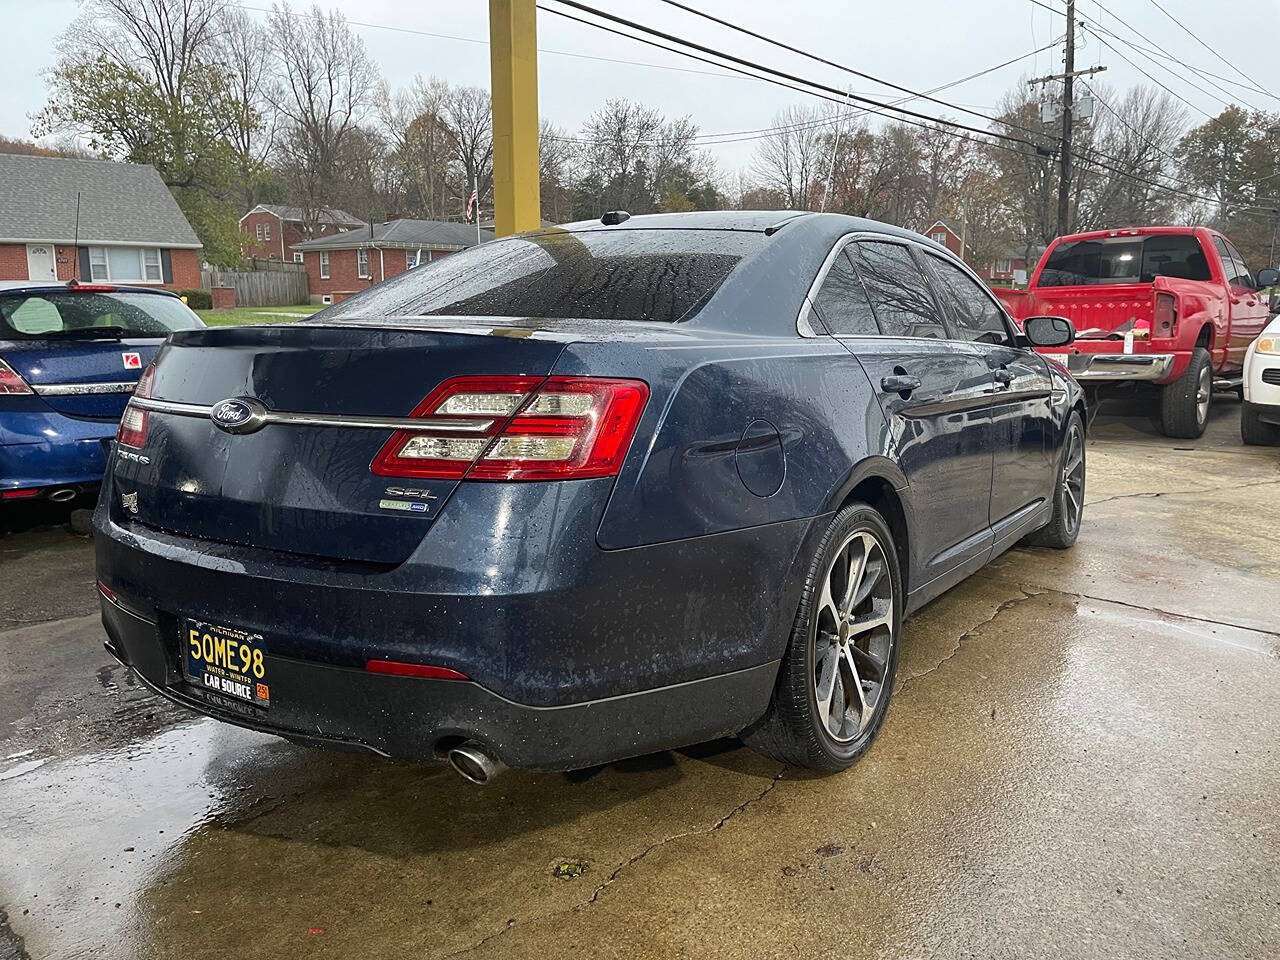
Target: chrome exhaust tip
{"points": [[62, 495], [473, 762]]}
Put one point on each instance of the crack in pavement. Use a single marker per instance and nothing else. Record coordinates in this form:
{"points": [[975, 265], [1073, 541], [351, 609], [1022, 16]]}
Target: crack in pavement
{"points": [[1162, 612], [624, 865], [1181, 493], [970, 633]]}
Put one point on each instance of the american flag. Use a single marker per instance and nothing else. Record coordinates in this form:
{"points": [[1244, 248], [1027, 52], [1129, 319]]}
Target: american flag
{"points": [[472, 206]]}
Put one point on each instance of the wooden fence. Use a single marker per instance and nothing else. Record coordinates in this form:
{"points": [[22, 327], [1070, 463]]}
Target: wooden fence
{"points": [[278, 285]]}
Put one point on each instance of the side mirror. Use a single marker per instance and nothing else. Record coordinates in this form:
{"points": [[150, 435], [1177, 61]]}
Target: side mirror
{"points": [[1268, 277], [1048, 331]]}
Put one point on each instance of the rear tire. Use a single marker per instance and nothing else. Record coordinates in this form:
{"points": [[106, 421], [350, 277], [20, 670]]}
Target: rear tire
{"points": [[845, 633], [1068, 492], [1255, 431], [1185, 403]]}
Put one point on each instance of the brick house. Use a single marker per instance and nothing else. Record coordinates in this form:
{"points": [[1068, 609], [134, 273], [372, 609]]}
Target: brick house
{"points": [[130, 229], [1007, 269], [273, 229], [345, 263]]}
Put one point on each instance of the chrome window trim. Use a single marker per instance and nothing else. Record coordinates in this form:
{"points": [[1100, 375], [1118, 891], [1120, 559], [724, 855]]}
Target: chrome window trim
{"points": [[924, 245], [321, 419], [82, 389]]}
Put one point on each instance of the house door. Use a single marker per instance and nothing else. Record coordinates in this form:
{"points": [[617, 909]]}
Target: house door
{"points": [[40, 262]]}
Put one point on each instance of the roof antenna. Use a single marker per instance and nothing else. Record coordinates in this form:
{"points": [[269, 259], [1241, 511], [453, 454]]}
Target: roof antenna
{"points": [[75, 250]]}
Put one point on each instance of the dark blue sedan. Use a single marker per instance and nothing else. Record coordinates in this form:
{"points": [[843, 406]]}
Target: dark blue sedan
{"points": [[70, 355], [586, 493]]}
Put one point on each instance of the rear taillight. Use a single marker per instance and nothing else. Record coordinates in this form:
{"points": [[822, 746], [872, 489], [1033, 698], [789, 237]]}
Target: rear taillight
{"points": [[10, 382], [20, 494], [132, 431], [1166, 315], [518, 428]]}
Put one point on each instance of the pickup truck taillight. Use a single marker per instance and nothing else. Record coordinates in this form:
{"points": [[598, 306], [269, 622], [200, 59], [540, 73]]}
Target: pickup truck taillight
{"points": [[518, 428], [132, 431], [1166, 315]]}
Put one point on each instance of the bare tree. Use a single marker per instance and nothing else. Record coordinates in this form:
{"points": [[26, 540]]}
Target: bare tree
{"points": [[556, 160], [413, 122], [793, 159], [468, 117], [244, 53], [326, 91]]}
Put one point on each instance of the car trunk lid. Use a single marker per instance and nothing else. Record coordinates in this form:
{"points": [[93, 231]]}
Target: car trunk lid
{"points": [[305, 486], [89, 379]]}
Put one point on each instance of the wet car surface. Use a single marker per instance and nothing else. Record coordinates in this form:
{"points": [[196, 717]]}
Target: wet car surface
{"points": [[1082, 763]]}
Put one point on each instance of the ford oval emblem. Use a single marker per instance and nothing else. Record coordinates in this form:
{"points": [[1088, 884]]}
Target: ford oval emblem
{"points": [[238, 415]]}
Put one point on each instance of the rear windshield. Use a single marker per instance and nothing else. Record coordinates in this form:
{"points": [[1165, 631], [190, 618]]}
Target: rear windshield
{"points": [[50, 315], [1125, 260], [658, 275]]}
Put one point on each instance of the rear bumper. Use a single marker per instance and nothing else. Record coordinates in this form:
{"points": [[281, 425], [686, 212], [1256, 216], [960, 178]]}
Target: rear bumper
{"points": [[1086, 367], [39, 450], [347, 708]]}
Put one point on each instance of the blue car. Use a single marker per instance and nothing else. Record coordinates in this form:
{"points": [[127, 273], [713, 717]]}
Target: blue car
{"points": [[586, 493], [70, 355]]}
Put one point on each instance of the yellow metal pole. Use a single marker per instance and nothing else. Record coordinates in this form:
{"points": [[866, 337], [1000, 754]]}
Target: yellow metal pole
{"points": [[513, 57]]}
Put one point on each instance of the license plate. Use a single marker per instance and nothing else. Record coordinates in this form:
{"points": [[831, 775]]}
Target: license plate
{"points": [[226, 660]]}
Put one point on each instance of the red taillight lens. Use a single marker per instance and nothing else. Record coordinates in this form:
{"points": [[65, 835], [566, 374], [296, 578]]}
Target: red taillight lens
{"points": [[1166, 315], [21, 494], [518, 428], [10, 382], [132, 431]]}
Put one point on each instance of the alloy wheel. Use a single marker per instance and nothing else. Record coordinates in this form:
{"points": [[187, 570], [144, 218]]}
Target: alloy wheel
{"points": [[1204, 386], [1073, 478], [853, 637]]}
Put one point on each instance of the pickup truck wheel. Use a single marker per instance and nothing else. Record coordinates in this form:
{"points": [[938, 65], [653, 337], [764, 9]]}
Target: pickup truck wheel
{"points": [[837, 674], [1068, 493], [1255, 431], [1184, 404]]}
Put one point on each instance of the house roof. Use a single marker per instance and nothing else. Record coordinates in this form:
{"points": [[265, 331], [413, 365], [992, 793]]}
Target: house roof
{"points": [[119, 203], [407, 234], [323, 215]]}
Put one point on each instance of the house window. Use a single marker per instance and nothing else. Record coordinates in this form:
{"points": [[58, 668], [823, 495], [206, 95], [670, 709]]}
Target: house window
{"points": [[410, 258], [259, 233], [125, 264], [297, 256], [266, 231], [940, 237], [1003, 266], [362, 256], [324, 264]]}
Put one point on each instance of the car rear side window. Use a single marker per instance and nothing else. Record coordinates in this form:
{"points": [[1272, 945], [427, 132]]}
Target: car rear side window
{"points": [[975, 314], [842, 302], [898, 291], [636, 274]]}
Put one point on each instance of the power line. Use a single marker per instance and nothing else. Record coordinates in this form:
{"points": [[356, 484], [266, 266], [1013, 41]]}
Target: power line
{"points": [[1200, 41], [914, 94], [557, 53], [738, 136], [843, 95]]}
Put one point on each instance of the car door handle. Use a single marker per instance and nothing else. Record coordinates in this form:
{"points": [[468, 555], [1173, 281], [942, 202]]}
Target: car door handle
{"points": [[899, 384], [1003, 376]]}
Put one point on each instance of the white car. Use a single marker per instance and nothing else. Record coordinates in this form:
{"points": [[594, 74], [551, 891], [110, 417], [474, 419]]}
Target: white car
{"points": [[1260, 412]]}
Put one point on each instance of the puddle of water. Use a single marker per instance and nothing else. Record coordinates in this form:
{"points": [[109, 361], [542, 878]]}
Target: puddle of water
{"points": [[81, 837]]}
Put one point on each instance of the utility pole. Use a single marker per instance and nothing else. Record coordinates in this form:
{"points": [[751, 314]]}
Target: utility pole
{"points": [[1068, 90], [1067, 77], [513, 60]]}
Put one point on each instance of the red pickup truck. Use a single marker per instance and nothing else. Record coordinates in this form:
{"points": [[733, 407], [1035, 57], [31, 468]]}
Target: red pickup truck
{"points": [[1174, 306]]}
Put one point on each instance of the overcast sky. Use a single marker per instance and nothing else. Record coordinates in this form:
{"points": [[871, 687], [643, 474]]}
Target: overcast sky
{"points": [[917, 43]]}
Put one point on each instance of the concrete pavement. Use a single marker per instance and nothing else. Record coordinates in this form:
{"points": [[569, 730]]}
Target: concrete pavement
{"points": [[1079, 761]]}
